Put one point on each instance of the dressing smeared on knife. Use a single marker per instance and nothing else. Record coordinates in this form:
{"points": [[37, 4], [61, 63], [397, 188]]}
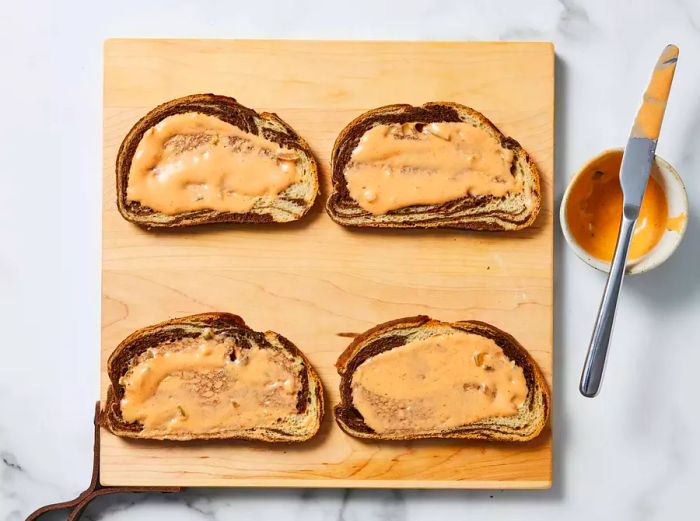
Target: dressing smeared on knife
{"points": [[194, 161], [208, 384], [399, 165], [651, 113], [637, 162], [438, 383]]}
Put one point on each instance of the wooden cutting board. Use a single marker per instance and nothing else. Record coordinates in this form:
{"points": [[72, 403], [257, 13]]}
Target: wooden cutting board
{"points": [[313, 280]]}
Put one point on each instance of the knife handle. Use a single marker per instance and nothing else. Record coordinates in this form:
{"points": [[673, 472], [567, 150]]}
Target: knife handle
{"points": [[593, 368]]}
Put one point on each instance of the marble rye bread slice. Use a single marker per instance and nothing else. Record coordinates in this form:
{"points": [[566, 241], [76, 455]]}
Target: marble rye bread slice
{"points": [[484, 212], [309, 405], [529, 422], [291, 205]]}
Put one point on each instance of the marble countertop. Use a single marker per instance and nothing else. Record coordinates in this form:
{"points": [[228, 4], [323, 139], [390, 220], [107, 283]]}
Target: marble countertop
{"points": [[631, 453]]}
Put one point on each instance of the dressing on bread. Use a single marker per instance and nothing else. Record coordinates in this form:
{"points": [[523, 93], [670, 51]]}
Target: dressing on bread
{"points": [[437, 383], [193, 161], [208, 384], [398, 165]]}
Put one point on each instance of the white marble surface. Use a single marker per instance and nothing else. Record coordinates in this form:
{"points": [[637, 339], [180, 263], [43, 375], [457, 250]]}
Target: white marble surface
{"points": [[632, 453]]}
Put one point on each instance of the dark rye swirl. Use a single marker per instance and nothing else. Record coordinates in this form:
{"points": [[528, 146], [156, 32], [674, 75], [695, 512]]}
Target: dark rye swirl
{"points": [[290, 205], [485, 212], [527, 424], [299, 426]]}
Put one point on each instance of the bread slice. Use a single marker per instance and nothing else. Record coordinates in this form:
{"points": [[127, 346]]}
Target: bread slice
{"points": [[513, 211], [290, 205], [527, 424], [296, 427]]}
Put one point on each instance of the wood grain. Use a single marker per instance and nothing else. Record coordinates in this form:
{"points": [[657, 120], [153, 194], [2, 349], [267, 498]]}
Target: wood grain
{"points": [[314, 281]]}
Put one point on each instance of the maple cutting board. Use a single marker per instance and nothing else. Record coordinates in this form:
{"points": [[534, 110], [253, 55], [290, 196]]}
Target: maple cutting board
{"points": [[313, 280]]}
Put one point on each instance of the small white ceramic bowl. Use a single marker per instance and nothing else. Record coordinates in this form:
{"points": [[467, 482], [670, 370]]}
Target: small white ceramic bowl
{"points": [[677, 200]]}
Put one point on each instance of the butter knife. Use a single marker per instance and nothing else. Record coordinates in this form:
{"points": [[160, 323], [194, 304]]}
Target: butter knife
{"points": [[634, 174]]}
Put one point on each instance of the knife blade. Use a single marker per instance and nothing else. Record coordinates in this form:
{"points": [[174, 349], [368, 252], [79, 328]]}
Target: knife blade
{"points": [[634, 175]]}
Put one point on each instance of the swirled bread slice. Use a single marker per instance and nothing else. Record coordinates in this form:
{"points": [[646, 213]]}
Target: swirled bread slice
{"points": [[512, 210], [234, 132], [210, 376], [420, 378]]}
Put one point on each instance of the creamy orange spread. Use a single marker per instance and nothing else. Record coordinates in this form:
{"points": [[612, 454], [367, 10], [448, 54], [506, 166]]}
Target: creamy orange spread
{"points": [[400, 165], [441, 382], [594, 210], [194, 385], [676, 223], [194, 161], [651, 113]]}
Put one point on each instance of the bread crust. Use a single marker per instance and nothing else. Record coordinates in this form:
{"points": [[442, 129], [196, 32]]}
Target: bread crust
{"points": [[269, 125], [346, 211], [387, 336], [310, 397]]}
